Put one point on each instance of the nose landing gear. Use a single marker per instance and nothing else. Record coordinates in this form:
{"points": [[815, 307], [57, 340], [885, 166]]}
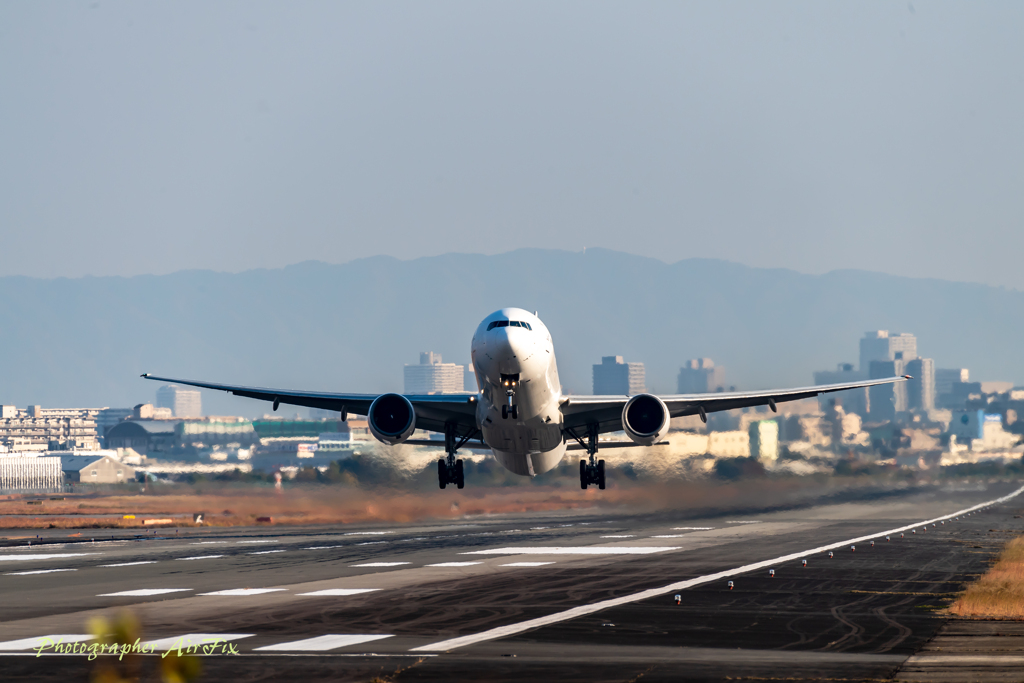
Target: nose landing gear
{"points": [[509, 383]]}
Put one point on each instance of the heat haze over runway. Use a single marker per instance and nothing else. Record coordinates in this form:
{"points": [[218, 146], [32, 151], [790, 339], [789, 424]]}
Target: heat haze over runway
{"points": [[584, 595]]}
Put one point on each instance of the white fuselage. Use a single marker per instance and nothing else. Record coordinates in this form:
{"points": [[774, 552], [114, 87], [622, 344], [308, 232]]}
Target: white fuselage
{"points": [[531, 442]]}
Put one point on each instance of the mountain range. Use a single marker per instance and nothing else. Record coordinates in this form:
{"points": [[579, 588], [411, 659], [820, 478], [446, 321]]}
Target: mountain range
{"points": [[350, 327]]}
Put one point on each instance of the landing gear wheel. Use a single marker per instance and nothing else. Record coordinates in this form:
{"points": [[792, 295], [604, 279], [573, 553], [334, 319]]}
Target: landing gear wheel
{"points": [[600, 474], [442, 473], [515, 412], [460, 480], [504, 412], [583, 474]]}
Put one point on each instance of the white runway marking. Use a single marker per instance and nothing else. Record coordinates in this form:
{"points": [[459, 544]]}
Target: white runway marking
{"points": [[245, 591], [755, 521], [341, 591], [128, 564], [621, 536], [207, 542], [266, 552], [200, 639], [321, 643], [582, 550], [582, 610], [44, 556], [38, 641], [142, 592], [454, 564], [526, 564], [323, 547], [40, 571], [367, 533], [199, 557], [380, 564], [262, 541], [371, 543]]}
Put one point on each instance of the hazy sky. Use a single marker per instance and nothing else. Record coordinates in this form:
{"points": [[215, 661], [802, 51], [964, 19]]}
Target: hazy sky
{"points": [[152, 137]]}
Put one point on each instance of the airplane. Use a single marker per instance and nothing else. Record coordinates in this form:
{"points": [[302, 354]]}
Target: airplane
{"points": [[519, 412]]}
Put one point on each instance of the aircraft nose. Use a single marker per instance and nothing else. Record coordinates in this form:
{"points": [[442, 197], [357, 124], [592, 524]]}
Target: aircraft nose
{"points": [[515, 343]]}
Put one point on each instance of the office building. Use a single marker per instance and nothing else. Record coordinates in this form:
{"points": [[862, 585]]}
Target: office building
{"points": [[615, 377], [921, 386], [701, 376], [883, 346], [181, 402], [945, 378], [432, 376]]}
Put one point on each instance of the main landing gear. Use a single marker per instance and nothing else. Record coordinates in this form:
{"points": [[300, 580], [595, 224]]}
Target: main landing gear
{"points": [[592, 469], [450, 470]]}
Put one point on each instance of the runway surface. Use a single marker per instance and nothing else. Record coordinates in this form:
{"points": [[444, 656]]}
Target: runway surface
{"points": [[582, 596]]}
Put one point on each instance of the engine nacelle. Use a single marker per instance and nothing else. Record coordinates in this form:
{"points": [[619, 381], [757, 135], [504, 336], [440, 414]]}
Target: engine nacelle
{"points": [[391, 418], [645, 419]]}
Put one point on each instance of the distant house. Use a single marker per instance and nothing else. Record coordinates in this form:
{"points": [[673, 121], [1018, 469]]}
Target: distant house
{"points": [[95, 469]]}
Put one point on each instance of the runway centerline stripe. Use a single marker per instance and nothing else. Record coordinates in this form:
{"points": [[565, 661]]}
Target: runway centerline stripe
{"points": [[341, 591], [245, 591], [266, 552], [581, 550], [583, 610], [39, 571], [128, 564], [199, 557], [453, 564], [38, 641], [200, 639], [142, 592], [321, 643]]}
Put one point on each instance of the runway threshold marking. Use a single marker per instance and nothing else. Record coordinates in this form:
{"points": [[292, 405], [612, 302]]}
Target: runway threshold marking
{"points": [[42, 556], [577, 550], [142, 592], [245, 591], [33, 643], [188, 639], [321, 643], [583, 610]]}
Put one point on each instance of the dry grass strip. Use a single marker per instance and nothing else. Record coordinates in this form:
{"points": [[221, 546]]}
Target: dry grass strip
{"points": [[1000, 591]]}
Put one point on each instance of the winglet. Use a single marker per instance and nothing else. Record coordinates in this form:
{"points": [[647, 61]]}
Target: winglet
{"points": [[145, 374]]}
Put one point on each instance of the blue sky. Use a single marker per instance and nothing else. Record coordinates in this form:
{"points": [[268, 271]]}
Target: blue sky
{"points": [[154, 137]]}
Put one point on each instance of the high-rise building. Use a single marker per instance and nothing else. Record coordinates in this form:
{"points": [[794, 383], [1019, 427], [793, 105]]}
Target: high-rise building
{"points": [[615, 377], [701, 376], [881, 345], [432, 376], [945, 378], [182, 402], [921, 386], [469, 379], [886, 399]]}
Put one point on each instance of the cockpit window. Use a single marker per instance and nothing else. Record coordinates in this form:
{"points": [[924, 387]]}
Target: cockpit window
{"points": [[508, 323]]}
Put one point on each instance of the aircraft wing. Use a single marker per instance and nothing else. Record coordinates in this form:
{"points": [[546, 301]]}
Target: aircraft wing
{"points": [[432, 410], [606, 411]]}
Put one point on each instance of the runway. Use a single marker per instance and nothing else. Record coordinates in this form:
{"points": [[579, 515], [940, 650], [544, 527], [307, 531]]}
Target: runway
{"points": [[582, 596]]}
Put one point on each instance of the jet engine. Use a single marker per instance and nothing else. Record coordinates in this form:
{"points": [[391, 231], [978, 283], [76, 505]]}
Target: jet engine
{"points": [[392, 418], [645, 419]]}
